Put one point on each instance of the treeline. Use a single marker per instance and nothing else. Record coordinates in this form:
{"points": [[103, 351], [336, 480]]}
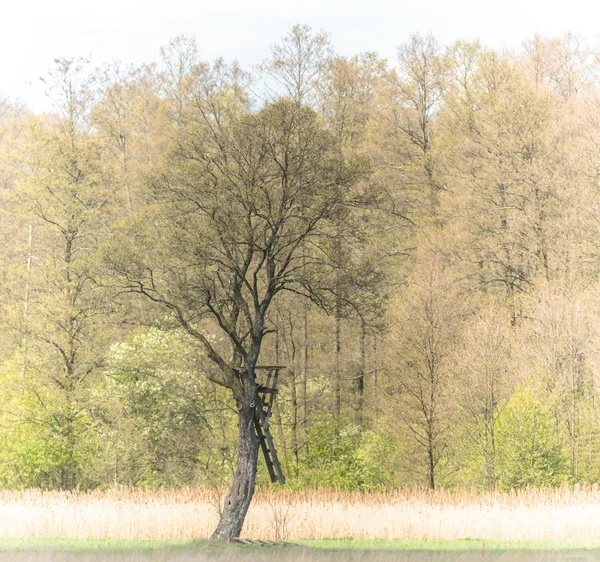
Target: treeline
{"points": [[442, 329]]}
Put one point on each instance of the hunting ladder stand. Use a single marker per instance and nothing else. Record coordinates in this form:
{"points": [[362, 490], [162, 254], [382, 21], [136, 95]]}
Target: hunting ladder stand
{"points": [[265, 396]]}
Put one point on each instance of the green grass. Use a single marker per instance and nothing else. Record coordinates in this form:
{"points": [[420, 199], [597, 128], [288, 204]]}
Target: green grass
{"points": [[114, 545], [447, 545], [86, 545]]}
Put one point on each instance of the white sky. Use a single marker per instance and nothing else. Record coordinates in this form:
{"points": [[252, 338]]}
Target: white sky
{"points": [[34, 32]]}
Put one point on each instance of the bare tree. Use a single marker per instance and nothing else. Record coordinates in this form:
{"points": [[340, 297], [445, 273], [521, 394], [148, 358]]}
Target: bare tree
{"points": [[484, 383], [298, 64], [561, 336], [420, 365], [420, 87]]}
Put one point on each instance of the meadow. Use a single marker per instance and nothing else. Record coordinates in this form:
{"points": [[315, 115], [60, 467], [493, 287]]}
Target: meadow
{"points": [[567, 515]]}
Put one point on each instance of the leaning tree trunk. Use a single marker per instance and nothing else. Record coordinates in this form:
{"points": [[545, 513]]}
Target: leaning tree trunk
{"points": [[239, 497]]}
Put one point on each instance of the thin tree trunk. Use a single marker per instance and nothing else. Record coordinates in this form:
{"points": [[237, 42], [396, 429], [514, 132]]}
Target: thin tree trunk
{"points": [[360, 379], [280, 432], [431, 464], [276, 411], [26, 309], [290, 347], [338, 369], [492, 462], [294, 428], [374, 378], [303, 385]]}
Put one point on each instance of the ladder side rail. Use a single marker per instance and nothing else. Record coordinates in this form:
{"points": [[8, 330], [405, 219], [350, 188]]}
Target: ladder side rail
{"points": [[264, 447], [270, 443], [265, 405], [275, 458]]}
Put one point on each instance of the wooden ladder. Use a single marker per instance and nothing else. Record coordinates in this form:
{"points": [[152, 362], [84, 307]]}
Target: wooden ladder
{"points": [[265, 397]]}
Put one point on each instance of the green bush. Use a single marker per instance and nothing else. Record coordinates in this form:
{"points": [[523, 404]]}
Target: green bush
{"points": [[529, 445], [163, 423], [344, 456], [47, 460], [45, 442]]}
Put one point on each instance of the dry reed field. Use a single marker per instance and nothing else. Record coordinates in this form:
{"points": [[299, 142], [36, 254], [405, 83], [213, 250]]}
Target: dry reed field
{"points": [[562, 514]]}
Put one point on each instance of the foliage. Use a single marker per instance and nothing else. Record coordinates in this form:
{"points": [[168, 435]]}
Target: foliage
{"points": [[529, 446], [413, 239], [343, 455], [163, 424]]}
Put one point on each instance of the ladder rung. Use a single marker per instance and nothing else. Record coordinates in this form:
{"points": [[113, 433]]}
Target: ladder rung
{"points": [[267, 390]]}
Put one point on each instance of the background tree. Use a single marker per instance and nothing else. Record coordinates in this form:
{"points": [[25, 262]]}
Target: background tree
{"points": [[419, 366], [298, 64], [64, 195], [484, 383]]}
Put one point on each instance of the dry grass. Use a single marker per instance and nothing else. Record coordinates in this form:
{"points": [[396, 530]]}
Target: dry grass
{"points": [[564, 514]]}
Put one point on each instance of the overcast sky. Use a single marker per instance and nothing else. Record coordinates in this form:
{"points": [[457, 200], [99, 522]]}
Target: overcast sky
{"points": [[34, 32]]}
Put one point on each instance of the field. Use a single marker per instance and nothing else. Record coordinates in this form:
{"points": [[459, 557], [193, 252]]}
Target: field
{"points": [[135, 525], [190, 514]]}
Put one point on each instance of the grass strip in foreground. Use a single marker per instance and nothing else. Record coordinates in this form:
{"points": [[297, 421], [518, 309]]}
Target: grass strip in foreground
{"points": [[447, 545], [204, 545], [86, 545]]}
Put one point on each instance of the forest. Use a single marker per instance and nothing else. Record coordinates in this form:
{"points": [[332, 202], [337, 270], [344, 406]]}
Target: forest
{"points": [[416, 240]]}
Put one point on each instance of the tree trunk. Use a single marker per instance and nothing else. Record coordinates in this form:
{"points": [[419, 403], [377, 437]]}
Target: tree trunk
{"points": [[374, 377], [430, 461], [238, 500], [294, 421], [360, 378], [337, 406], [431, 472], [26, 312], [303, 385], [290, 347], [280, 432], [276, 412]]}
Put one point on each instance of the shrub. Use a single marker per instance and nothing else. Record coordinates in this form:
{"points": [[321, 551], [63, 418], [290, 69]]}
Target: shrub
{"points": [[529, 445]]}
